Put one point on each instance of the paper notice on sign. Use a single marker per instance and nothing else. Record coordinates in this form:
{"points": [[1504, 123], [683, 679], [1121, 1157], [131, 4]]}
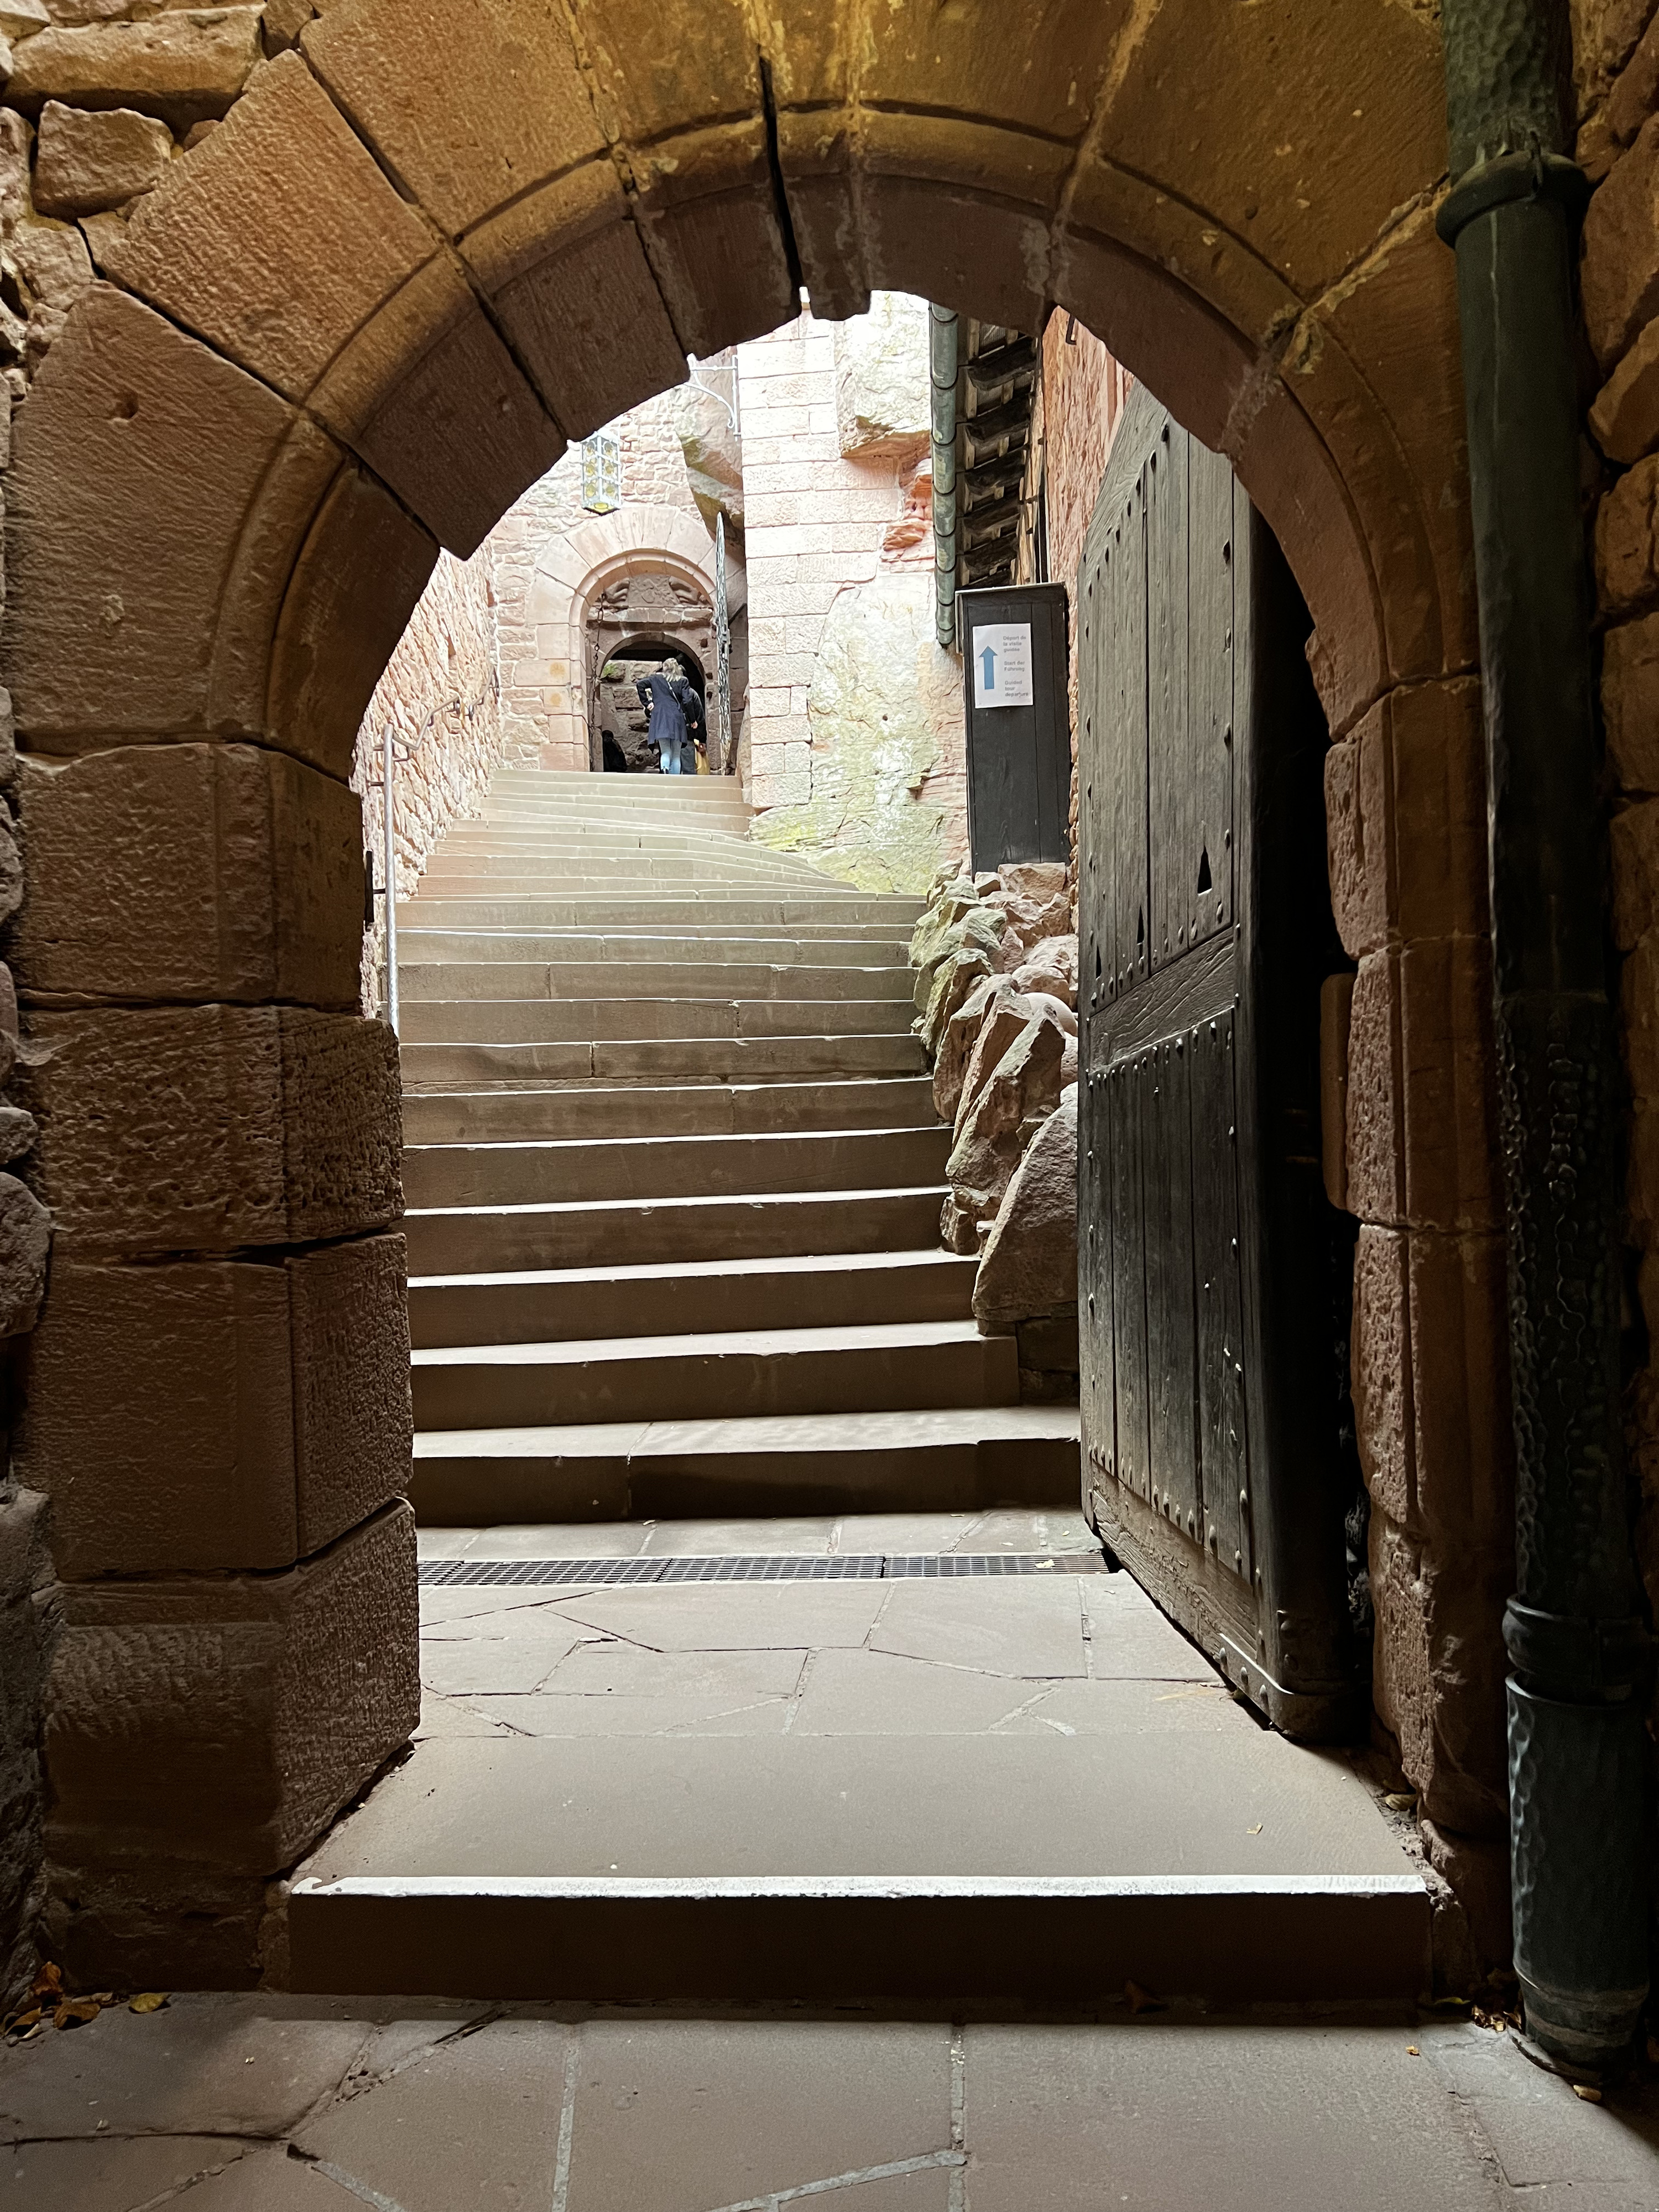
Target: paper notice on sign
{"points": [[1002, 664]]}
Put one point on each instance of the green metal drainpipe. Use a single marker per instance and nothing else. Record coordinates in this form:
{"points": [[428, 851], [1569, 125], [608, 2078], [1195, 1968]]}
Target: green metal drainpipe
{"points": [[1579, 1836], [942, 351]]}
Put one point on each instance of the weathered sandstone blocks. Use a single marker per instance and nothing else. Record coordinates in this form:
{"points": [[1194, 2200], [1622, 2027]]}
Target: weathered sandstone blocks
{"points": [[182, 67], [205, 1127], [1406, 813], [1626, 550], [1438, 1675], [222, 1722], [244, 1417], [1620, 269], [1431, 1362], [190, 871], [85, 162], [1420, 1108]]}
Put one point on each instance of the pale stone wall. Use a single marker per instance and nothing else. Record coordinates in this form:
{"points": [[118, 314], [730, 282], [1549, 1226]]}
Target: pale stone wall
{"points": [[441, 692], [853, 746], [543, 678]]}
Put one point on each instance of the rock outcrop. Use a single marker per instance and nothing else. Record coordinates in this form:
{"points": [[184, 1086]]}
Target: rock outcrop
{"points": [[996, 960]]}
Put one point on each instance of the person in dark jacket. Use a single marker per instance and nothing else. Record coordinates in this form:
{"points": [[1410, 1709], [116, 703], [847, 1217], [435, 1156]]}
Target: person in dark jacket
{"points": [[665, 697]]}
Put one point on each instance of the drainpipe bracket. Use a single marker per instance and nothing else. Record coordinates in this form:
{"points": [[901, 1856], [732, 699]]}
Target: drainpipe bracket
{"points": [[1597, 1661], [1514, 176]]}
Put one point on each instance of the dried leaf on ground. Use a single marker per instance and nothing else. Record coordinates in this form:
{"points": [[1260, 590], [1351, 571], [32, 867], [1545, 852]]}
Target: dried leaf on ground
{"points": [[75, 2011], [1412, 2051], [48, 1983], [148, 2000], [1141, 2000], [1591, 2096]]}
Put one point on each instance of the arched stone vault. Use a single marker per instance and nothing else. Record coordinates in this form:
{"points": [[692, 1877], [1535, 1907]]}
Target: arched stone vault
{"points": [[354, 323]]}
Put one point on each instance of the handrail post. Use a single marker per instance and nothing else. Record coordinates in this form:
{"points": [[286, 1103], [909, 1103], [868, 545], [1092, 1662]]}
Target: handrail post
{"points": [[389, 872]]}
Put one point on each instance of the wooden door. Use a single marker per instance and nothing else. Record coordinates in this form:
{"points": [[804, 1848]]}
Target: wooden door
{"points": [[1215, 1462]]}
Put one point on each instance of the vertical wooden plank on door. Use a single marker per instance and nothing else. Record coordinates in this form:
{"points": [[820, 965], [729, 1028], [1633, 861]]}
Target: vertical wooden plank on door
{"points": [[1169, 734], [1219, 1268], [1096, 1304], [1171, 1374], [1096, 923], [1096, 740], [1127, 1082], [1126, 675], [1211, 567]]}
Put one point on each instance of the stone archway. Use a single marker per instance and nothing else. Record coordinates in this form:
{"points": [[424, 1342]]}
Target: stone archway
{"points": [[618, 654], [572, 574], [353, 324]]}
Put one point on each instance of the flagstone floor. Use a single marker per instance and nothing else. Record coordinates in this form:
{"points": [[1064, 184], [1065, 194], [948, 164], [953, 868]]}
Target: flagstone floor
{"points": [[265, 2104]]}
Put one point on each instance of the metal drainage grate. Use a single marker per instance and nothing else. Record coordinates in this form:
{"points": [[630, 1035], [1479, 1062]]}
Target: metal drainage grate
{"points": [[448, 1574]]}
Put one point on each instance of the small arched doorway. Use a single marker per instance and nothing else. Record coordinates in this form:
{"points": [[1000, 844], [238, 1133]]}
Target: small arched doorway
{"points": [[616, 716]]}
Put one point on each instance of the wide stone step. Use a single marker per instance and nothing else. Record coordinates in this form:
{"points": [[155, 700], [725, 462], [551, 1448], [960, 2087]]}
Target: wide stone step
{"points": [[724, 861], [680, 1060], [419, 980], [867, 945], [818, 1291], [554, 1021], [947, 1871], [462, 1240], [902, 1102], [857, 1368], [715, 912], [508, 878], [537, 1172], [952, 1460], [562, 840]]}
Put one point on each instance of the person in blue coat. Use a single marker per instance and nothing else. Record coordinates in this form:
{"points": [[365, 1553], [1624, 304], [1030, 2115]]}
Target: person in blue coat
{"points": [[668, 699]]}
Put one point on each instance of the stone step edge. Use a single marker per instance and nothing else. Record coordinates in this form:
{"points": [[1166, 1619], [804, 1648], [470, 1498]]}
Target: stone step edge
{"points": [[566, 1145], [1244, 1937], [828, 1337], [788, 1263], [857, 1436], [570, 1205]]}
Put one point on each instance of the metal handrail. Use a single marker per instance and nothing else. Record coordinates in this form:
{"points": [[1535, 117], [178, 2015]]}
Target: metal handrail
{"points": [[389, 875]]}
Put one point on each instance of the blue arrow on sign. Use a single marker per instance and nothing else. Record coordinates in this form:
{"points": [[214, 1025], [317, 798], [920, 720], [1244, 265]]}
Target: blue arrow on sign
{"points": [[990, 659]]}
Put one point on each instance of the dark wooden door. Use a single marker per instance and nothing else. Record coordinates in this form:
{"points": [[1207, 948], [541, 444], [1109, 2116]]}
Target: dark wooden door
{"points": [[1019, 757], [1215, 1462]]}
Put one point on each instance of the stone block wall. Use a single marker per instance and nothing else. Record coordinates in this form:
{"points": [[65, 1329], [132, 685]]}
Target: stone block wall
{"points": [[1617, 57], [853, 749], [440, 693], [206, 1567], [539, 615]]}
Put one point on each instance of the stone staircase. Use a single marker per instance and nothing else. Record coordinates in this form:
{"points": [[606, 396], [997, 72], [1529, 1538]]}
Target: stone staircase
{"points": [[674, 1174]]}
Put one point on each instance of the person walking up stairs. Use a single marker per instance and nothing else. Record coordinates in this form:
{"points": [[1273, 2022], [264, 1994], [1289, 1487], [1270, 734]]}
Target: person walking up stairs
{"points": [[674, 1174]]}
